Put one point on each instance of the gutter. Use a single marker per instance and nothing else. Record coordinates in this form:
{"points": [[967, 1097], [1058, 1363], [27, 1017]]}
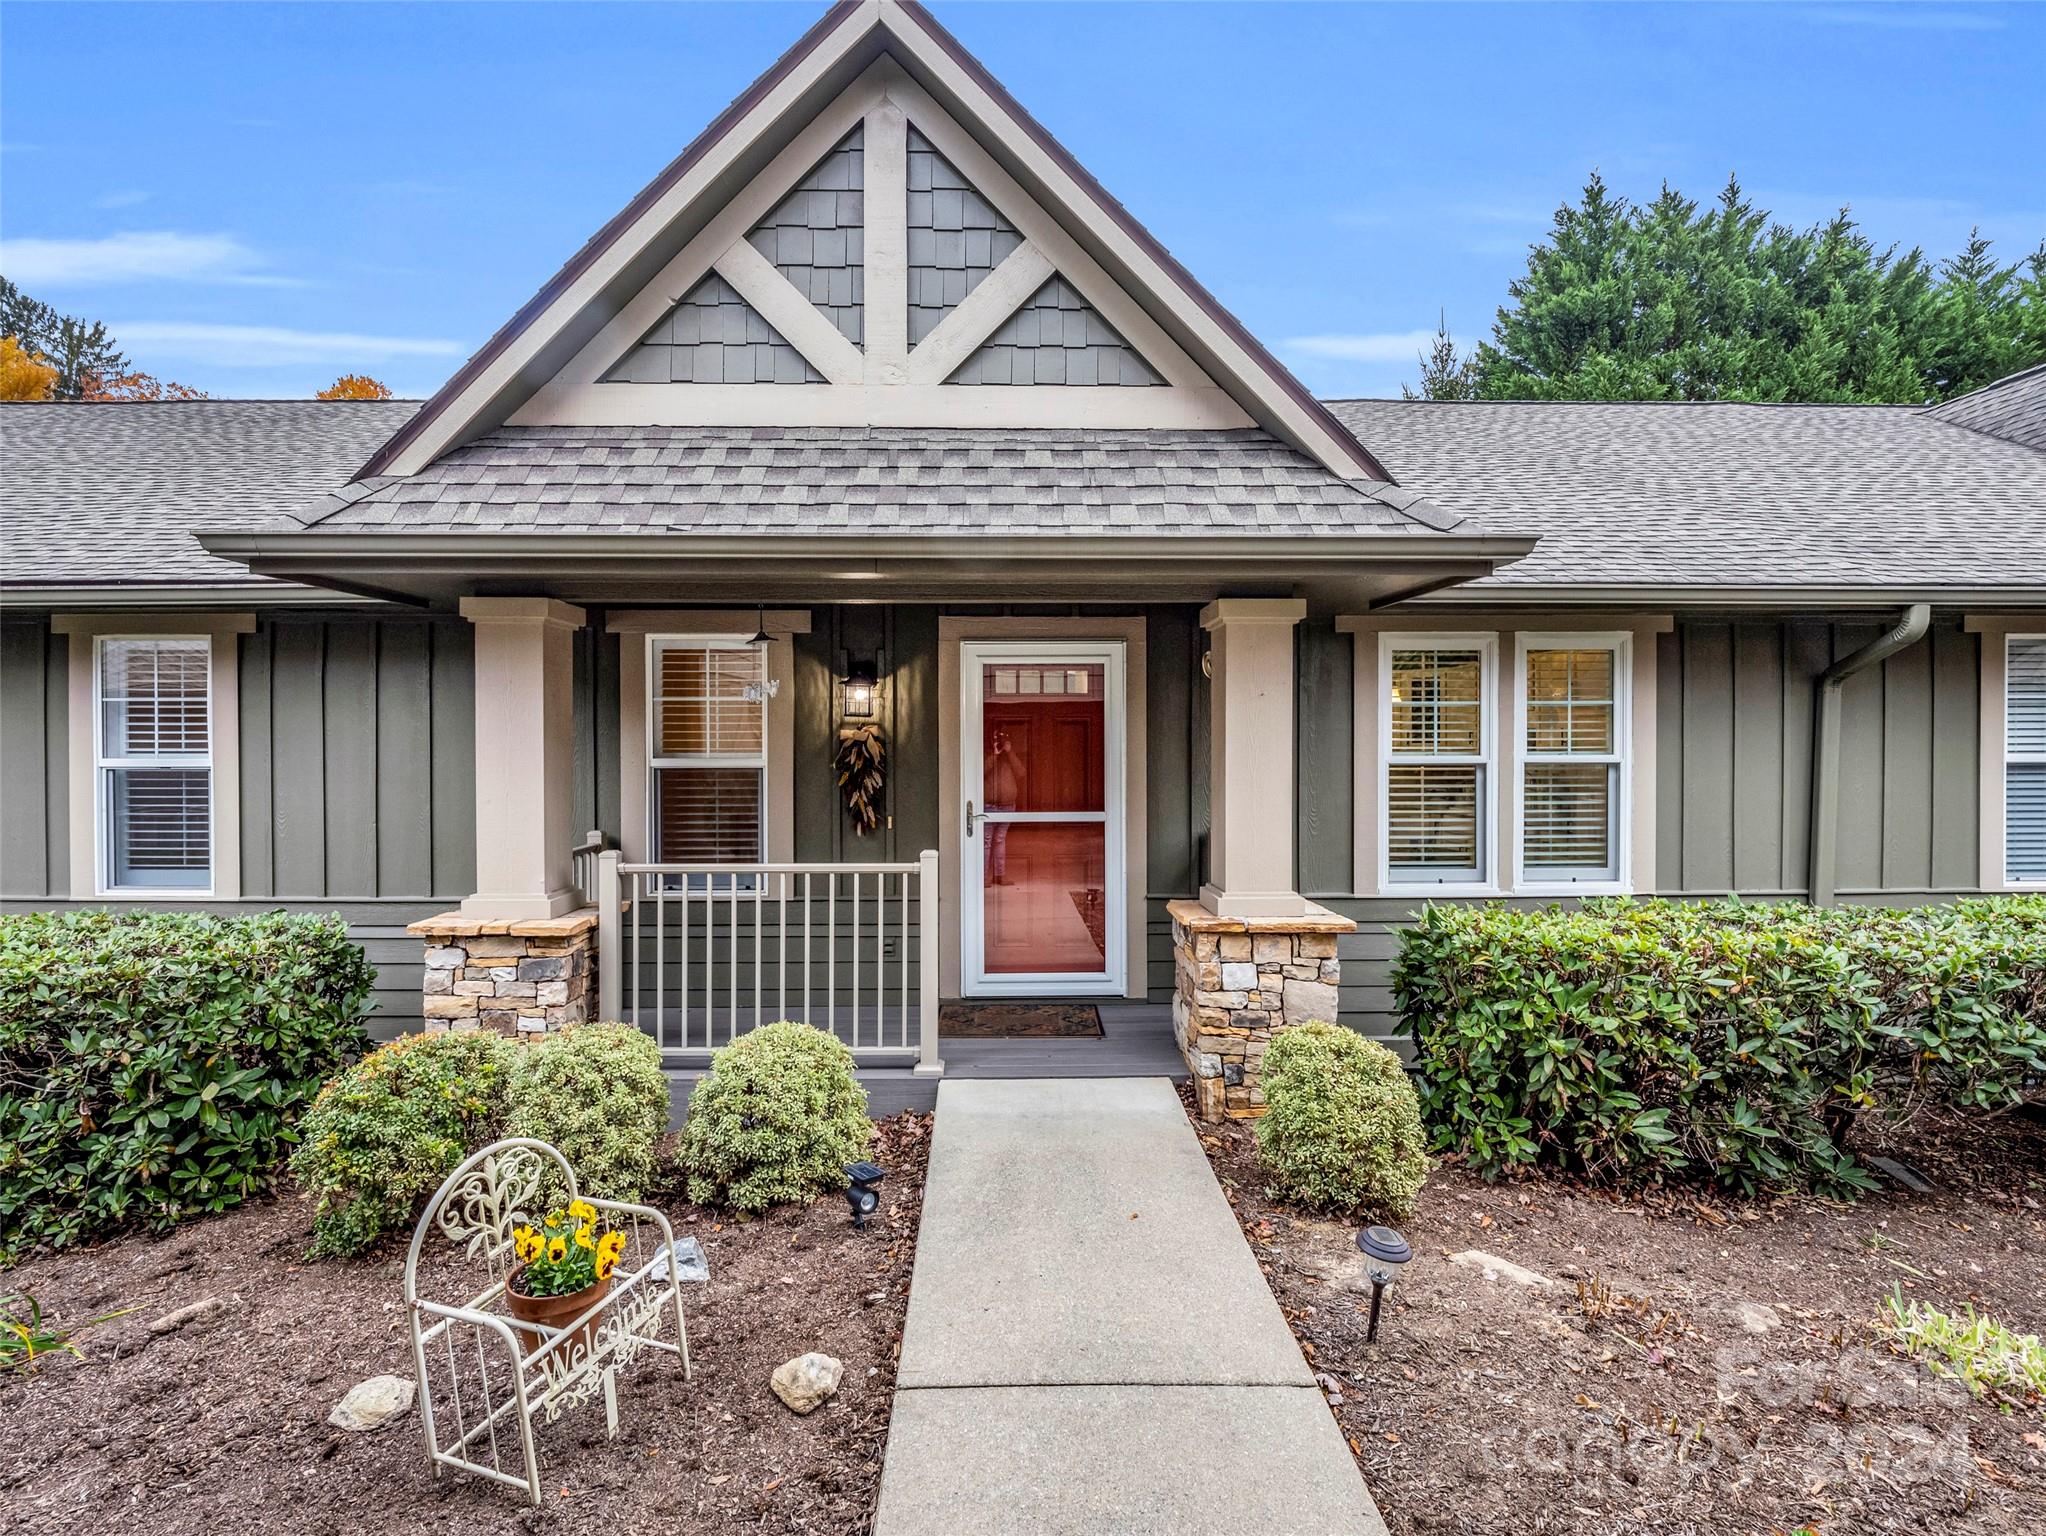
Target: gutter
{"points": [[1907, 631]]}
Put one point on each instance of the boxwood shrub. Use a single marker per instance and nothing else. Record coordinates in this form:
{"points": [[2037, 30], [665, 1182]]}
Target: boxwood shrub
{"points": [[153, 1065], [1341, 1129], [776, 1119], [1729, 1042]]}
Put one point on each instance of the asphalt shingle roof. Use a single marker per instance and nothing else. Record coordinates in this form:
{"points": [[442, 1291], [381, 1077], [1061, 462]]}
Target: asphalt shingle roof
{"points": [[875, 480], [1697, 495], [2012, 408], [110, 494], [1621, 494]]}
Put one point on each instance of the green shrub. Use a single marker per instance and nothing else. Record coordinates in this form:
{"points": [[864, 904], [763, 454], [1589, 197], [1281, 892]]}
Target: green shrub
{"points": [[383, 1134], [777, 1118], [597, 1094], [1724, 1041], [154, 1065], [1341, 1127]]}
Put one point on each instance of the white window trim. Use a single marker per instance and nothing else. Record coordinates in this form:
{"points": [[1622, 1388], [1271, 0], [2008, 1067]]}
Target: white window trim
{"points": [[655, 761], [1621, 643], [633, 626], [1486, 643], [89, 861], [2004, 757], [105, 767]]}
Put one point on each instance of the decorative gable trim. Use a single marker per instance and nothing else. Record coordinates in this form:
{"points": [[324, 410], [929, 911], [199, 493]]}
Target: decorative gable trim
{"points": [[1234, 382]]}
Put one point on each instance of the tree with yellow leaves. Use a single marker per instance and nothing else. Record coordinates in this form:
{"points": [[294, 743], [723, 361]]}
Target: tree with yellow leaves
{"points": [[24, 375], [355, 386]]}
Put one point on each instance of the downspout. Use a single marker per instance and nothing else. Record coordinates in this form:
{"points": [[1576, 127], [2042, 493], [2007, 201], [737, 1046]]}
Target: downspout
{"points": [[1908, 630]]}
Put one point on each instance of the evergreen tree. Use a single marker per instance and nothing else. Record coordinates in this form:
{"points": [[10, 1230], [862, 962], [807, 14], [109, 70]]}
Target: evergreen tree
{"points": [[1671, 301], [1445, 374], [80, 350]]}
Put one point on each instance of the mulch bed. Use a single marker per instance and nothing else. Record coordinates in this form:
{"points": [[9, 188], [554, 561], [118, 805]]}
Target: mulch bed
{"points": [[221, 1425], [1631, 1395]]}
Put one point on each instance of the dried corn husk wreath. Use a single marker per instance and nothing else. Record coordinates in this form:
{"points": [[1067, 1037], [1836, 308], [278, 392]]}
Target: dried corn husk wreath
{"points": [[862, 762]]}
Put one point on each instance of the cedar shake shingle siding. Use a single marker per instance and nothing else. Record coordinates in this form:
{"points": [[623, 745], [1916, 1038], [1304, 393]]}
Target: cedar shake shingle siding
{"points": [[956, 237], [816, 236], [1056, 338], [713, 337]]}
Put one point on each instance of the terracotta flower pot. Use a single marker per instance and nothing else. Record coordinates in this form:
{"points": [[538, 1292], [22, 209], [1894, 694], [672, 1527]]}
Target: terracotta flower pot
{"points": [[553, 1311]]}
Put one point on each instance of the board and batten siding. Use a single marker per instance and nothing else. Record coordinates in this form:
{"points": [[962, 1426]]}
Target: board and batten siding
{"points": [[357, 778]]}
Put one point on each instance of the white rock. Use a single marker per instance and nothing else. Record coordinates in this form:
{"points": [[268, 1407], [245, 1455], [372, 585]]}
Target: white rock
{"points": [[807, 1380], [1756, 1318], [1496, 1268], [1239, 976], [372, 1404]]}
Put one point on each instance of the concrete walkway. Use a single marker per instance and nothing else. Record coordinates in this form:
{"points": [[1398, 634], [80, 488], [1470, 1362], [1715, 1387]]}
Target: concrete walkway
{"points": [[1090, 1345]]}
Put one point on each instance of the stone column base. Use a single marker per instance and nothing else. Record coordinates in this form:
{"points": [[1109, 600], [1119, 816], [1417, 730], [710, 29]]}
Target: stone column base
{"points": [[1235, 980], [524, 976]]}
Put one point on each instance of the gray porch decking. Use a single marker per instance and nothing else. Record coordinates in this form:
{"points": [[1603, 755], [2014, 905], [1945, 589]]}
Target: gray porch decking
{"points": [[1136, 1041]]}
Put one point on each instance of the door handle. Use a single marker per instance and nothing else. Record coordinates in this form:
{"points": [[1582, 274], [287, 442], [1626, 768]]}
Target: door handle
{"points": [[970, 819]]}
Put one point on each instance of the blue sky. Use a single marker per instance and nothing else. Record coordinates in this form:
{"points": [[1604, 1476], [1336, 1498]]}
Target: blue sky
{"points": [[257, 198]]}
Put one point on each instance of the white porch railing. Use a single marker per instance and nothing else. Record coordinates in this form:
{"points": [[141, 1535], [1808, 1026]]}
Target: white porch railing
{"points": [[696, 955]]}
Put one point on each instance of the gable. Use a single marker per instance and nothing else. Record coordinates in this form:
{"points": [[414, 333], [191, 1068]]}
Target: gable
{"points": [[807, 201]]}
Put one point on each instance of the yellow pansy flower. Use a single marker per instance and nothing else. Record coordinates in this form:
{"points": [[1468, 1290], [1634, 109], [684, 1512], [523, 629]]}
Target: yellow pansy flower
{"points": [[582, 1211], [557, 1250], [585, 1236], [605, 1264]]}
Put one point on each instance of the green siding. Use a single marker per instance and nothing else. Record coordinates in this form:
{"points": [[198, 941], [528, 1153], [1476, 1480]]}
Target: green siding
{"points": [[35, 839], [1735, 705], [358, 758]]}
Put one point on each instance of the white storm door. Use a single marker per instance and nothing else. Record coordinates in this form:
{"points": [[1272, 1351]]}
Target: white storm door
{"points": [[1041, 781]]}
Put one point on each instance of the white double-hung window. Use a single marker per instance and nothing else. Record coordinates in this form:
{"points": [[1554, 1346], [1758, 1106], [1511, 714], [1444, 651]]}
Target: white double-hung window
{"points": [[1436, 723], [2024, 760], [707, 753], [153, 763], [1572, 756]]}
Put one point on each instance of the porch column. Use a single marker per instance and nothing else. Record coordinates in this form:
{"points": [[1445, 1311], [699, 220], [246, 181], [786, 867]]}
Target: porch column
{"points": [[524, 756], [1250, 783]]}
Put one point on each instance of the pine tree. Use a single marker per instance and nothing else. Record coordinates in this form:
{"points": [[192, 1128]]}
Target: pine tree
{"points": [[1445, 375], [1671, 301], [80, 350]]}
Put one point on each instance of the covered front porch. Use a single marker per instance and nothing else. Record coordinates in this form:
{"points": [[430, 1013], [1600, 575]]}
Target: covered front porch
{"points": [[1091, 761]]}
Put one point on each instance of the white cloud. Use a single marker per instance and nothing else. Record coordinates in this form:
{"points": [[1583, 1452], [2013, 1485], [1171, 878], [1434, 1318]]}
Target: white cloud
{"points": [[125, 197], [134, 256], [1369, 347], [262, 346]]}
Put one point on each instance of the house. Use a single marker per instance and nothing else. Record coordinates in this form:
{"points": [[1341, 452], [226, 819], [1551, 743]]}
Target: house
{"points": [[874, 419]]}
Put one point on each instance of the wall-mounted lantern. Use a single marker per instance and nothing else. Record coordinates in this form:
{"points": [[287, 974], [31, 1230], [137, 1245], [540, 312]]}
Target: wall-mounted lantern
{"points": [[859, 685]]}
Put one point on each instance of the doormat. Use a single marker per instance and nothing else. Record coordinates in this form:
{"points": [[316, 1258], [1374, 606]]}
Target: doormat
{"points": [[1019, 1021]]}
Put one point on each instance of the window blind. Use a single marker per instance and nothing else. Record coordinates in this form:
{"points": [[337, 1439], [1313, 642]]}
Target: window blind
{"points": [[1432, 826], [709, 815], [1438, 757], [709, 706], [1569, 783], [2024, 768], [155, 769]]}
